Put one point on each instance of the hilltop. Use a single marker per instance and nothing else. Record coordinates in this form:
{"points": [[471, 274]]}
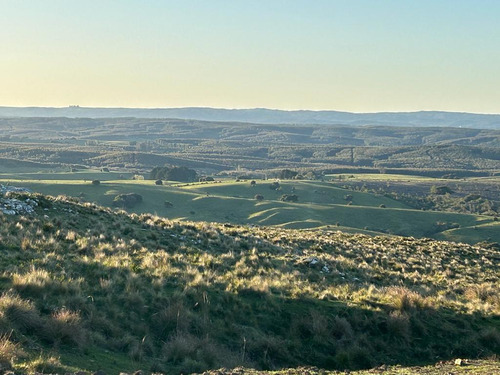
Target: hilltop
{"points": [[85, 287]]}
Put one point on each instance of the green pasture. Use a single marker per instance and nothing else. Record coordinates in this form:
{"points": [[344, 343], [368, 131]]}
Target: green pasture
{"points": [[320, 204], [308, 192], [82, 176], [381, 177], [489, 231]]}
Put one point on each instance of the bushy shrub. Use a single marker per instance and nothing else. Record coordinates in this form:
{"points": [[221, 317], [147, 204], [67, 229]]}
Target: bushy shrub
{"points": [[127, 200], [275, 186], [206, 179], [289, 198], [182, 174], [440, 190], [287, 174]]}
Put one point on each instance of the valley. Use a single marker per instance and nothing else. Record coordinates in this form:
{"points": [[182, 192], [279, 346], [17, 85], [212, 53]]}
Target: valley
{"points": [[273, 247], [249, 187], [319, 205]]}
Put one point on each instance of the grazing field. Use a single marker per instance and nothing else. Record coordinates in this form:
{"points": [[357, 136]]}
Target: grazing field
{"points": [[320, 204], [65, 175], [88, 288], [385, 177]]}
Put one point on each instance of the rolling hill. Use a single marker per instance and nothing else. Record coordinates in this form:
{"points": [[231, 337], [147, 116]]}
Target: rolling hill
{"points": [[87, 288], [320, 204]]}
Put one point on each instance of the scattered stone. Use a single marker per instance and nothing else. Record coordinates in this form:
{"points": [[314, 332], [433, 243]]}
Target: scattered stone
{"points": [[13, 189], [313, 261], [459, 362], [14, 206]]}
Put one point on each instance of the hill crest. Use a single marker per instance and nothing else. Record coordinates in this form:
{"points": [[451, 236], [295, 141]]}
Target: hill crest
{"points": [[270, 116]]}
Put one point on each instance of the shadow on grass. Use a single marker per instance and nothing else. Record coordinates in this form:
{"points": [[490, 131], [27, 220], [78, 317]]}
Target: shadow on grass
{"points": [[89, 300], [174, 328]]}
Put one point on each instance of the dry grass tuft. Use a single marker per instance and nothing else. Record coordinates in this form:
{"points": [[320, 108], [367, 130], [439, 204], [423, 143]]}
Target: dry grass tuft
{"points": [[405, 300], [484, 292], [9, 351]]}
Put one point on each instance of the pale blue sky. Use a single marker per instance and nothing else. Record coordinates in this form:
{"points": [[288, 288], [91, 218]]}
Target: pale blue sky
{"points": [[352, 55]]}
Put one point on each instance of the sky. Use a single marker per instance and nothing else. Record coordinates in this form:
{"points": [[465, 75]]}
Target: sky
{"points": [[348, 55]]}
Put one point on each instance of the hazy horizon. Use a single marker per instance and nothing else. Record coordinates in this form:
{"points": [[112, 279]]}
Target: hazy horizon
{"points": [[348, 56], [243, 109]]}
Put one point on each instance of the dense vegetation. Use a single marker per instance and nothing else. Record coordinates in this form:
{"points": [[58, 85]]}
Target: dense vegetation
{"points": [[147, 292], [182, 174], [209, 147], [475, 196]]}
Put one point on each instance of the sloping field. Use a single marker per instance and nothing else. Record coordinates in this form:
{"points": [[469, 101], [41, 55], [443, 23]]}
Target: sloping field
{"points": [[319, 205], [87, 288]]}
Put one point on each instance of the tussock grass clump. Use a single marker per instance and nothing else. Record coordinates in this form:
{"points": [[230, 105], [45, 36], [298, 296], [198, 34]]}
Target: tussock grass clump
{"points": [[65, 327], [484, 292], [9, 351], [398, 325], [405, 300], [190, 354], [19, 315]]}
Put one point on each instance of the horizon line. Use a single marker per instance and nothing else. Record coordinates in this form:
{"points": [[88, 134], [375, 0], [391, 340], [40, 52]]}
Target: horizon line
{"points": [[248, 108]]}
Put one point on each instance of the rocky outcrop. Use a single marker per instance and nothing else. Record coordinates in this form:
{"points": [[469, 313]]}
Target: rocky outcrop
{"points": [[12, 201]]}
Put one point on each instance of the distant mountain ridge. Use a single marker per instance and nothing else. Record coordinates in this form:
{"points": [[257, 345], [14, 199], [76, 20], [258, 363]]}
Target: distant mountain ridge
{"points": [[270, 116]]}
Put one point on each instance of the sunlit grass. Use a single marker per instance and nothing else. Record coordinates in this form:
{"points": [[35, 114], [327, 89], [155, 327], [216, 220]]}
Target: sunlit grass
{"points": [[234, 202]]}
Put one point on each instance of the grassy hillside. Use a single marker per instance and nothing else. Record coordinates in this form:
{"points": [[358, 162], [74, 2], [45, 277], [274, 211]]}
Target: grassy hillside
{"points": [[87, 288], [489, 367], [320, 204]]}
